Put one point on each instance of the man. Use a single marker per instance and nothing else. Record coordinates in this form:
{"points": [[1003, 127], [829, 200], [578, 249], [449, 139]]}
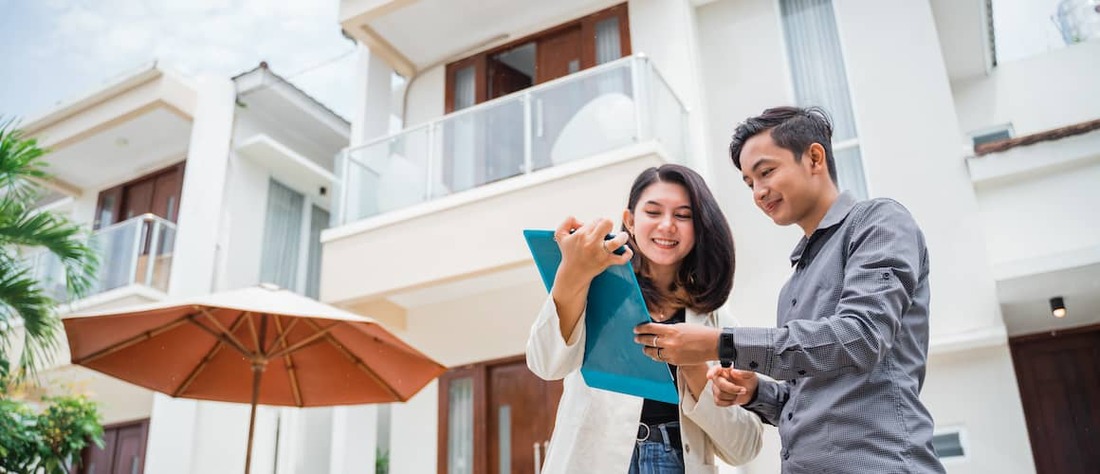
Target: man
{"points": [[848, 356]]}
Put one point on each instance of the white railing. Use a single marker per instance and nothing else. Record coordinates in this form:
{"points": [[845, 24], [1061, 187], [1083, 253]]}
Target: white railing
{"points": [[137, 251], [600, 109]]}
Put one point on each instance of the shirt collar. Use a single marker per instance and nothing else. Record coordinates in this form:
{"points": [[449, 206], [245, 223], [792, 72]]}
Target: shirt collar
{"points": [[835, 215]]}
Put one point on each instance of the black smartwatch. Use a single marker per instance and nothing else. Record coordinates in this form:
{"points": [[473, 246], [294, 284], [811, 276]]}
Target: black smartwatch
{"points": [[727, 352]]}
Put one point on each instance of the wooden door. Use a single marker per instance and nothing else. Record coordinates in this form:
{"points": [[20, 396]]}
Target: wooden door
{"points": [[500, 412], [1059, 379], [521, 415], [559, 55], [123, 450], [156, 193], [100, 460]]}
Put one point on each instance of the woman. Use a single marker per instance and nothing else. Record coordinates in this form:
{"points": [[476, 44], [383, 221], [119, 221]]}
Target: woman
{"points": [[682, 251]]}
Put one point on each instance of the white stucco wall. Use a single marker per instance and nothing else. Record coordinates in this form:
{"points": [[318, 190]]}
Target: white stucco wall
{"points": [[425, 98], [1039, 214], [1034, 94], [977, 392], [906, 138], [909, 141]]}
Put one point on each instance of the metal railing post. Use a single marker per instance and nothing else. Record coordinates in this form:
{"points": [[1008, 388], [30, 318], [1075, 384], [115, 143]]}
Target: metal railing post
{"points": [[341, 188], [429, 166], [135, 253], [528, 139], [637, 85], [154, 244]]}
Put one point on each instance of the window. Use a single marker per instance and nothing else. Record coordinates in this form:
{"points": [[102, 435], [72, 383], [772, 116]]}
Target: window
{"points": [[948, 444], [990, 135], [817, 70], [556, 52], [292, 240]]}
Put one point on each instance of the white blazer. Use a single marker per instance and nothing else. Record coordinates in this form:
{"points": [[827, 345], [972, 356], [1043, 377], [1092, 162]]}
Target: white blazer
{"points": [[595, 429]]}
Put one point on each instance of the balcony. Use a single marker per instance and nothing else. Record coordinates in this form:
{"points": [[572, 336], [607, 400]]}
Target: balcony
{"points": [[569, 146], [132, 253], [608, 107]]}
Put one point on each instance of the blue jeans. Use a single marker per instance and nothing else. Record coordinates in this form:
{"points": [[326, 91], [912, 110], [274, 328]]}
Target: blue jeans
{"points": [[657, 457]]}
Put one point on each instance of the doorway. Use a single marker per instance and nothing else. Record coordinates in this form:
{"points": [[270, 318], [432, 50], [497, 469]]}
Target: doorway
{"points": [[495, 417], [1059, 378]]}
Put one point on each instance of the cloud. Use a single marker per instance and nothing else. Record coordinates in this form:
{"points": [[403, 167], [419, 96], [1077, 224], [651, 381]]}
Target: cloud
{"points": [[91, 42]]}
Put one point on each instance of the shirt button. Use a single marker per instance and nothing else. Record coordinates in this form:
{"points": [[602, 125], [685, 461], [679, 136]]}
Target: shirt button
{"points": [[687, 448], [790, 415], [794, 301], [753, 365], [801, 372], [786, 454]]}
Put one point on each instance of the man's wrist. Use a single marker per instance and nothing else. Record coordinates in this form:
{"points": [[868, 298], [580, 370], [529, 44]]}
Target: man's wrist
{"points": [[727, 350]]}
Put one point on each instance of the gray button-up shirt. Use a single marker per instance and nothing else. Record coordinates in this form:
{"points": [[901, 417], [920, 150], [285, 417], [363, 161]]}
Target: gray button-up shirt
{"points": [[850, 349]]}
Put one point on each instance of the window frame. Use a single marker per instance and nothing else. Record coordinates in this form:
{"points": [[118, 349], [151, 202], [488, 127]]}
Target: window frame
{"points": [[587, 24]]}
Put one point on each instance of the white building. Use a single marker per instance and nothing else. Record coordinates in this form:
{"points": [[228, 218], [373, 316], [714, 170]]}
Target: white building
{"points": [[518, 113], [192, 186]]}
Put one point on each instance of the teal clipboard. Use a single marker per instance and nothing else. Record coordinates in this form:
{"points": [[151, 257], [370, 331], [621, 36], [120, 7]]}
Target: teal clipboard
{"points": [[612, 360]]}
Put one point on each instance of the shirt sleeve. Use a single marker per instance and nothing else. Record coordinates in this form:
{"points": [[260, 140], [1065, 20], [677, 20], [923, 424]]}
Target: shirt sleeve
{"points": [[549, 356], [884, 264], [771, 396]]}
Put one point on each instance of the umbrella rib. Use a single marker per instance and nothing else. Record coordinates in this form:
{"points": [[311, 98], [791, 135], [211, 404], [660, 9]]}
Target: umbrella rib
{"points": [[284, 335], [235, 343], [295, 389], [131, 341], [205, 360], [307, 341], [221, 337], [359, 363], [255, 335]]}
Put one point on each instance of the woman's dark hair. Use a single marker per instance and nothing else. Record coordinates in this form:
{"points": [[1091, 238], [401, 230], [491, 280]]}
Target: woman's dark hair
{"points": [[792, 128], [705, 278]]}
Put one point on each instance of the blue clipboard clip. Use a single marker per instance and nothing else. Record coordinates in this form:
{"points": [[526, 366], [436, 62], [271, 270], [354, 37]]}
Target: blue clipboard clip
{"points": [[612, 360]]}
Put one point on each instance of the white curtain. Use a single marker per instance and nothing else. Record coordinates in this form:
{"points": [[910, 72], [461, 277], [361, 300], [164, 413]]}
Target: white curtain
{"points": [[608, 47], [282, 236], [460, 426], [463, 130], [817, 69], [318, 221]]}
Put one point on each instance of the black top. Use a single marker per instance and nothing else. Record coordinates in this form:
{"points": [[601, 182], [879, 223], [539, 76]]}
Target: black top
{"points": [[653, 411]]}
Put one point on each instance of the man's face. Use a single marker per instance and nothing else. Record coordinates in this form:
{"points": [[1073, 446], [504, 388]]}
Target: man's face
{"points": [[781, 187]]}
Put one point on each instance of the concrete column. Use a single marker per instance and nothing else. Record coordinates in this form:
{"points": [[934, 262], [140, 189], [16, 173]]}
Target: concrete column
{"points": [[665, 31], [354, 438], [370, 120], [172, 432]]}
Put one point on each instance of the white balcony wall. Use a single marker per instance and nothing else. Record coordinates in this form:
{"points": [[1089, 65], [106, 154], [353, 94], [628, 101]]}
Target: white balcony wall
{"points": [[1036, 215], [1034, 94]]}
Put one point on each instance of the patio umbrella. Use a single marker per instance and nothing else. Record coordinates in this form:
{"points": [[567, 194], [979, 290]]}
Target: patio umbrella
{"points": [[299, 352]]}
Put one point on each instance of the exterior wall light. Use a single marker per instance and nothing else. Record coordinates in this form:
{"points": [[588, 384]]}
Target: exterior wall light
{"points": [[1058, 307]]}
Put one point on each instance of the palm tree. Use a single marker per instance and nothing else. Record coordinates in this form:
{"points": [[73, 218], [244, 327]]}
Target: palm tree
{"points": [[23, 230]]}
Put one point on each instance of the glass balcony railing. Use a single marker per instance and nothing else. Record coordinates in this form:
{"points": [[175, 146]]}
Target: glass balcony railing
{"points": [[137, 251], [584, 114]]}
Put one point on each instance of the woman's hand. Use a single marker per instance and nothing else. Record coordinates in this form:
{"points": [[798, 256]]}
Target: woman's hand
{"points": [[584, 254]]}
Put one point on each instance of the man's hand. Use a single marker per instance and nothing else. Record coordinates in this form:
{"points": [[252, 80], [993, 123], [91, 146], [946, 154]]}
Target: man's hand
{"points": [[678, 344], [731, 386]]}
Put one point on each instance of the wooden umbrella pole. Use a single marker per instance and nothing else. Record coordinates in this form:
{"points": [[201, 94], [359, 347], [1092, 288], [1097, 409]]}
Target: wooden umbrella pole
{"points": [[257, 371]]}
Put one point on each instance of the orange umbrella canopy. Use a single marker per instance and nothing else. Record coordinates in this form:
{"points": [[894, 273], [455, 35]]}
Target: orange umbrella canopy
{"points": [[309, 353]]}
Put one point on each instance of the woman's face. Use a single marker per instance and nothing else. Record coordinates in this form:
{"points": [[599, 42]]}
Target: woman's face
{"points": [[662, 225]]}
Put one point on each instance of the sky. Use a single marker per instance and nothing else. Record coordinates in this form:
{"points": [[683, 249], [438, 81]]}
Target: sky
{"points": [[56, 51]]}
